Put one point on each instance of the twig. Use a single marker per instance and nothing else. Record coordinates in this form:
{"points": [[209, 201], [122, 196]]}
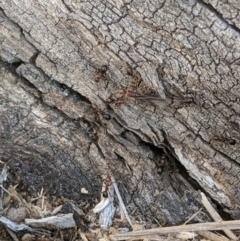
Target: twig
{"points": [[157, 222], [212, 236], [216, 217], [122, 206], [193, 216], [13, 226], [133, 211], [156, 238], [82, 235], [39, 196], [17, 197], [56, 210], [182, 228], [4, 174], [4, 189], [61, 221], [185, 235], [3, 177], [207, 234], [12, 234]]}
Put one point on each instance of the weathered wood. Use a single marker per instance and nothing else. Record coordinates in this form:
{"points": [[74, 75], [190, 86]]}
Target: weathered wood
{"points": [[61, 221], [57, 121], [13, 226]]}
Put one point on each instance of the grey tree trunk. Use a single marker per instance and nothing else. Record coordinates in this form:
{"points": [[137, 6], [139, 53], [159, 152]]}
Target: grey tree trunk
{"points": [[146, 90]]}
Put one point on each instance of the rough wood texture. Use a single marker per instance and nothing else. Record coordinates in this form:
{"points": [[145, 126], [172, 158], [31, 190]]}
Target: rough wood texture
{"points": [[61, 221], [187, 52]]}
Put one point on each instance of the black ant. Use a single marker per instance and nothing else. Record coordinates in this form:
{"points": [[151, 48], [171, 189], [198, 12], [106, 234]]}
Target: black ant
{"points": [[101, 73], [107, 183], [225, 140], [105, 115]]}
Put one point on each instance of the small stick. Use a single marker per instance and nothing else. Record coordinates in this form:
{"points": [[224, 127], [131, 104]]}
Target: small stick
{"points": [[17, 197], [12, 234], [157, 222], [122, 206], [82, 235], [182, 228], [155, 238], [61, 221], [13, 226], [212, 236], [3, 177], [5, 189], [207, 234], [40, 195], [216, 217], [193, 216]]}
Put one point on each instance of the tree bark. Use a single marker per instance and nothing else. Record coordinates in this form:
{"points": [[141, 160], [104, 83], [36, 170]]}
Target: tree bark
{"points": [[146, 90]]}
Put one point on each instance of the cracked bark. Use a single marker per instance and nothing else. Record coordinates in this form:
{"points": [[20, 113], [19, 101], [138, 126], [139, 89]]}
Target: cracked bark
{"points": [[55, 120]]}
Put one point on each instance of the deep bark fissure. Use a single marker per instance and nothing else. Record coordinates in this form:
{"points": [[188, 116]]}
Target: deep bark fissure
{"points": [[217, 13]]}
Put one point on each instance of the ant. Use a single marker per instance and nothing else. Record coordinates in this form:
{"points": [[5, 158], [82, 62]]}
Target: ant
{"points": [[105, 115], [224, 139], [101, 73], [107, 183]]}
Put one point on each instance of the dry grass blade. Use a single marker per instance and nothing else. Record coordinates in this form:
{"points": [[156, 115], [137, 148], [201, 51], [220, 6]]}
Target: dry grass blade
{"points": [[154, 238], [193, 216], [182, 228]]}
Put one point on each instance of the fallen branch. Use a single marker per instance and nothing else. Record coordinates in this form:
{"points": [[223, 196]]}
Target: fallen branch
{"points": [[216, 217], [182, 228]]}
